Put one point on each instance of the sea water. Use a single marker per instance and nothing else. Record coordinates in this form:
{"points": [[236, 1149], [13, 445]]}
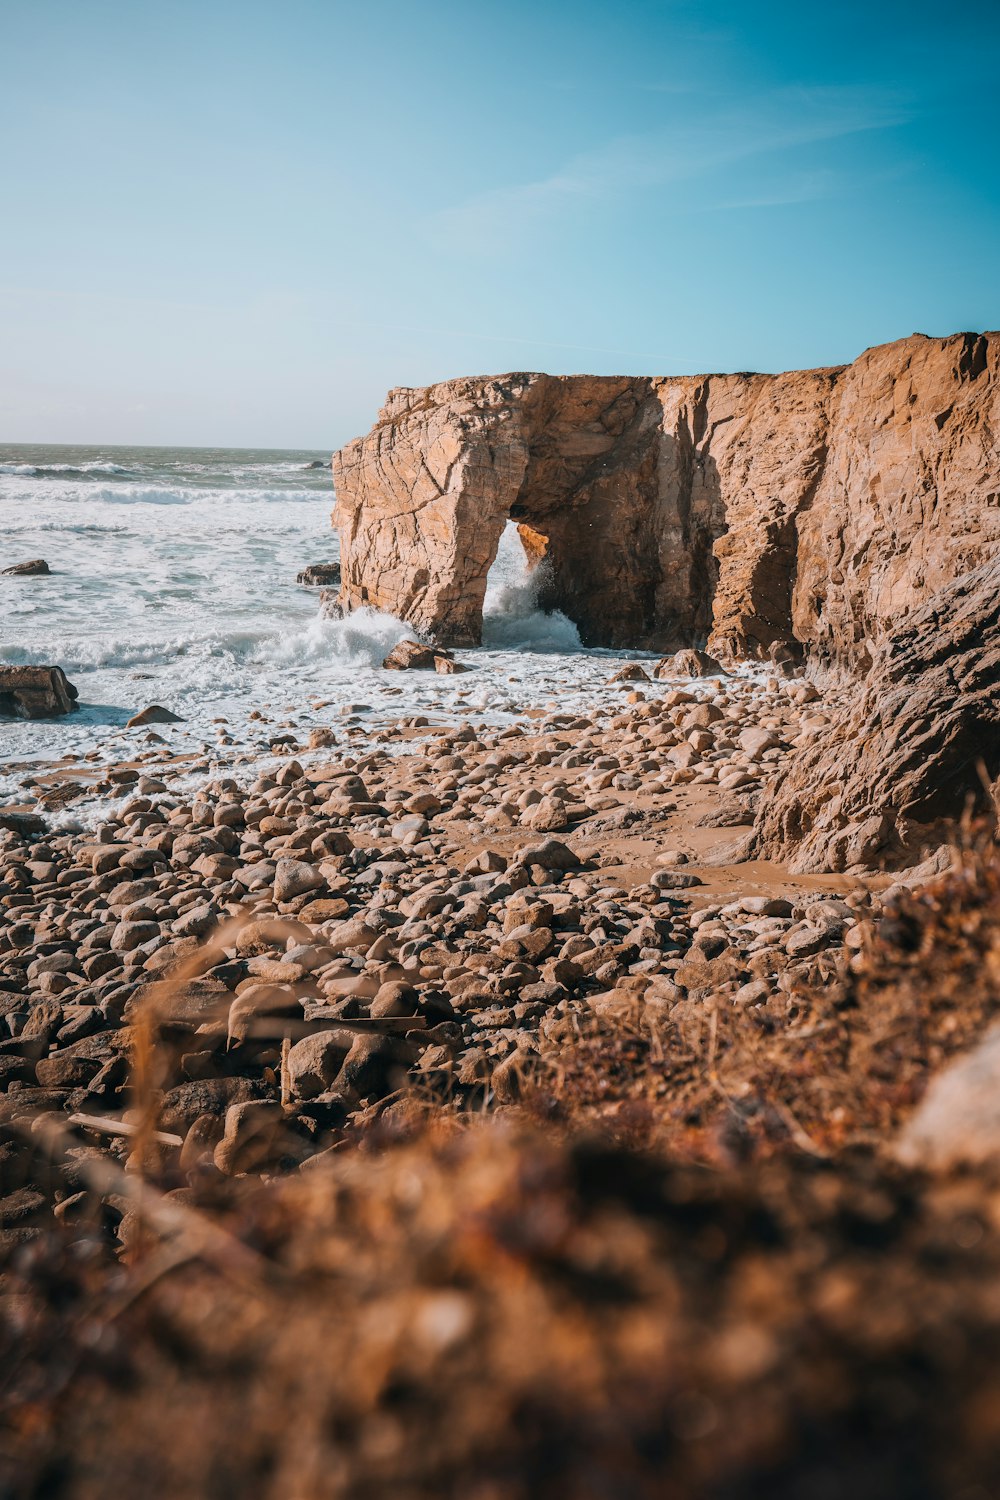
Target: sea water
{"points": [[173, 582]]}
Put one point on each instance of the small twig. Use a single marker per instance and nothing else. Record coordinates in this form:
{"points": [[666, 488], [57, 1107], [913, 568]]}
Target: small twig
{"points": [[713, 1032], [103, 1125], [286, 1076], [808, 1031], [798, 1133]]}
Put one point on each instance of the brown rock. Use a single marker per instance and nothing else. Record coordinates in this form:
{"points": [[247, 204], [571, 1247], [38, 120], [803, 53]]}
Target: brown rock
{"points": [[632, 672], [321, 738], [259, 1007], [154, 714], [188, 1102], [36, 692], [266, 934], [315, 1061], [512, 1077], [393, 999], [375, 1065], [550, 855], [408, 655], [812, 508], [447, 665], [252, 1135], [293, 877], [196, 1003], [33, 569], [325, 910], [547, 816], [689, 663]]}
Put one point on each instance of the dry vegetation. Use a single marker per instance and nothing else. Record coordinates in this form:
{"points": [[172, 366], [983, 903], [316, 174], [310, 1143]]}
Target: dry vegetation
{"points": [[839, 1065], [680, 1261]]}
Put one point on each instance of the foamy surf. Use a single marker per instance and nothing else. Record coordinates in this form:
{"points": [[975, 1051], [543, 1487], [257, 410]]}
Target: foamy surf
{"points": [[173, 581], [512, 619]]}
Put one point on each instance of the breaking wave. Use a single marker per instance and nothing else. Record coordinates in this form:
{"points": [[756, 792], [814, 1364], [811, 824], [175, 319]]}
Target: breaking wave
{"points": [[512, 620], [65, 471], [361, 639]]}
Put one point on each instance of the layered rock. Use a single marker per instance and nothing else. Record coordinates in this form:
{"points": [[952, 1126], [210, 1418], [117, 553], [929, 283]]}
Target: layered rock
{"points": [[36, 692], [914, 744], [814, 508]]}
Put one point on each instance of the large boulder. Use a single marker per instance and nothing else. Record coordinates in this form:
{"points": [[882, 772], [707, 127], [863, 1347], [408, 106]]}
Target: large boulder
{"points": [[406, 656], [913, 745], [36, 692], [689, 663], [36, 568]]}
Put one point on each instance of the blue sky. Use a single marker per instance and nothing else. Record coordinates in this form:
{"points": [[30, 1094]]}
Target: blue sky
{"points": [[240, 223]]}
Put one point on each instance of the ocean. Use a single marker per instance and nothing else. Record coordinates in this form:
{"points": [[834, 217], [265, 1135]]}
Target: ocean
{"points": [[173, 582]]}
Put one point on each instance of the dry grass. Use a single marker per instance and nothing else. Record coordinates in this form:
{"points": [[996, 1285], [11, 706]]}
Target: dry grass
{"points": [[838, 1065]]}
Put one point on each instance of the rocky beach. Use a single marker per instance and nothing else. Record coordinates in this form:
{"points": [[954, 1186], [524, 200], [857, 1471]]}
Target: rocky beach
{"points": [[438, 900], [493, 1009]]}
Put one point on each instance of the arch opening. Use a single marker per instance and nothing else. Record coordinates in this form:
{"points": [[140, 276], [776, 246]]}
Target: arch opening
{"points": [[518, 612]]}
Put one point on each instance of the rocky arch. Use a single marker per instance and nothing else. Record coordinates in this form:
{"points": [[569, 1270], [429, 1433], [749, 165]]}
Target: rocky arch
{"points": [[814, 508], [572, 461], [664, 514]]}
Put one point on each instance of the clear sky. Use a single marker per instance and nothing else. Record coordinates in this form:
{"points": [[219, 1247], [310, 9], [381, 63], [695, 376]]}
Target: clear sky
{"points": [[241, 221]]}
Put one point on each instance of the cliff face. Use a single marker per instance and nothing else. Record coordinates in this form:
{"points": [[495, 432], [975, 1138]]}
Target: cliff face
{"points": [[911, 746], [816, 507]]}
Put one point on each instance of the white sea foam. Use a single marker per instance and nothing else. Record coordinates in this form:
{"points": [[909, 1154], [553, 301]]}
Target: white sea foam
{"points": [[70, 471], [364, 638], [512, 620], [44, 490], [173, 581]]}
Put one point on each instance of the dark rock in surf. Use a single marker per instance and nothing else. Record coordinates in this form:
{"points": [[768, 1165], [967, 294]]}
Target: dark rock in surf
{"points": [[27, 824], [36, 692], [320, 575], [36, 568]]}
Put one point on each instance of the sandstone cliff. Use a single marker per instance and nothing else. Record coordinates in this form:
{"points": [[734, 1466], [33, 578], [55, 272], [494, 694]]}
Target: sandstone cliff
{"points": [[814, 508]]}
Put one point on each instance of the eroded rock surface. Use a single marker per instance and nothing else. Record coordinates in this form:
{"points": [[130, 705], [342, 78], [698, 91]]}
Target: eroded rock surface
{"points": [[914, 741], [812, 509], [320, 575], [36, 692]]}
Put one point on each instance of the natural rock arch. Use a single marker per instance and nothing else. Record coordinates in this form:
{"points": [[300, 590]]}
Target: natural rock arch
{"points": [[423, 501], [814, 508]]}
